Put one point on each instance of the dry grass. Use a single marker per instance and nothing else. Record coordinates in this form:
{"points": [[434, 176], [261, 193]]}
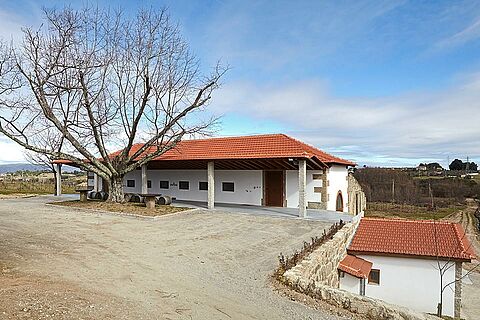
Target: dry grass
{"points": [[394, 210], [34, 187], [132, 208]]}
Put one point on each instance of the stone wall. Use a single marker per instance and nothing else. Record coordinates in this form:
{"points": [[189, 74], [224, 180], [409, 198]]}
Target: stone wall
{"points": [[321, 265], [357, 201], [368, 307], [317, 276]]}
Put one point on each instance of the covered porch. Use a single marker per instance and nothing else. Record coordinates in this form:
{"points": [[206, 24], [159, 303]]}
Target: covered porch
{"points": [[273, 180], [311, 214]]}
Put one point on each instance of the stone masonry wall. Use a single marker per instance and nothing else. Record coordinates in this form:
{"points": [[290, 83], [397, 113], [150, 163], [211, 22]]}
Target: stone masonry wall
{"points": [[370, 308], [357, 201], [317, 276], [321, 265]]}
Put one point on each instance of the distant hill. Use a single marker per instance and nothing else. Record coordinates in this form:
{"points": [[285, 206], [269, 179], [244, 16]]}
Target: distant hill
{"points": [[13, 167]]}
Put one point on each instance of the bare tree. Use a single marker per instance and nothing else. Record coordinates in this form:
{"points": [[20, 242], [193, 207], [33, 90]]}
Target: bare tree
{"points": [[51, 141], [443, 264], [103, 81]]}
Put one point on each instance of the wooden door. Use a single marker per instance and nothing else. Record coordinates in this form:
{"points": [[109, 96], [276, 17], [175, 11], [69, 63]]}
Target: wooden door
{"points": [[274, 188]]}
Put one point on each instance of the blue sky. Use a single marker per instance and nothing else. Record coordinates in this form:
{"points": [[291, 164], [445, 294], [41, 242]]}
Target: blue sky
{"points": [[388, 83]]}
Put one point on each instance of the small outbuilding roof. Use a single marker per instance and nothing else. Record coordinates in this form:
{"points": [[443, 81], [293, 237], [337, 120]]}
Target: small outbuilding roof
{"points": [[425, 238], [355, 266]]}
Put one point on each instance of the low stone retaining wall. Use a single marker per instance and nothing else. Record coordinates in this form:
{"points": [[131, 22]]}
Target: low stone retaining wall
{"points": [[371, 308], [321, 265], [317, 276]]}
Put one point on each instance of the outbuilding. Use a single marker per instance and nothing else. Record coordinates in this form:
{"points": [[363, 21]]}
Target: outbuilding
{"points": [[400, 261]]}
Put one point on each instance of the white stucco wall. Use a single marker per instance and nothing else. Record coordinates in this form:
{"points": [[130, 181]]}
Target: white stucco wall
{"points": [[410, 282], [291, 187], [350, 283], [337, 178], [248, 184]]}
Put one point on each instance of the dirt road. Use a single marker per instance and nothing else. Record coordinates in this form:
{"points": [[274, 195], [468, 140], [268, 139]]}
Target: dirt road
{"points": [[204, 265], [471, 284]]}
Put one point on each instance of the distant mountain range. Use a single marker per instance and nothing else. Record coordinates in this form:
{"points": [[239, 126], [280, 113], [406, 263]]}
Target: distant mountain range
{"points": [[14, 167]]}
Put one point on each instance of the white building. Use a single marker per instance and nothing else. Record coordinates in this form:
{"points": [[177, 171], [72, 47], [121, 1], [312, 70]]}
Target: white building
{"points": [[265, 170], [398, 261]]}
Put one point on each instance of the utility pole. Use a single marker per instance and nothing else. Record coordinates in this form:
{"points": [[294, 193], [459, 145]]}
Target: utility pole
{"points": [[393, 191], [430, 193]]}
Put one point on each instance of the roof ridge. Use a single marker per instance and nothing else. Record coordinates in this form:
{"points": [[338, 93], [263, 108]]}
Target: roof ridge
{"points": [[465, 251], [315, 149], [428, 221]]}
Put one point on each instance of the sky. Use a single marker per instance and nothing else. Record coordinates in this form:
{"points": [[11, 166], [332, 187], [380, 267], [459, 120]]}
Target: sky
{"points": [[382, 83]]}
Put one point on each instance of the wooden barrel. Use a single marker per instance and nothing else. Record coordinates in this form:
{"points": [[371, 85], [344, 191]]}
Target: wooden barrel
{"points": [[136, 198], [164, 200]]}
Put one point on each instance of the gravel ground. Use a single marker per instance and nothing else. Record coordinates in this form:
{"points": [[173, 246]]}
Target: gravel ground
{"points": [[190, 265]]}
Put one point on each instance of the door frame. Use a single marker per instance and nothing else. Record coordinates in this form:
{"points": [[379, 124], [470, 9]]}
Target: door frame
{"points": [[264, 191], [339, 194]]}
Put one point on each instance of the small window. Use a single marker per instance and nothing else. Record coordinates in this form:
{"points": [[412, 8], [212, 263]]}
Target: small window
{"points": [[203, 185], [341, 274], [317, 189], [164, 184], [374, 276], [131, 183], [317, 176], [228, 186], [183, 185], [149, 184]]}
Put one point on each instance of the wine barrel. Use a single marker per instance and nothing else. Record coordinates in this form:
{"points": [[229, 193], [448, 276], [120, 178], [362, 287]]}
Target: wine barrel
{"points": [[136, 198], [164, 200]]}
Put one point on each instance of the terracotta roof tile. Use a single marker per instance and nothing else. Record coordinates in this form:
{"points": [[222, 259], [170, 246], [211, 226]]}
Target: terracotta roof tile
{"points": [[425, 238], [355, 266], [246, 147]]}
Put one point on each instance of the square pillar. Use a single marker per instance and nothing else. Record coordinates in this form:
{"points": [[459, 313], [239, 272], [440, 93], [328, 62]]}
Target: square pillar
{"points": [[144, 179], [59, 180], [211, 184], [458, 290], [95, 182], [302, 183]]}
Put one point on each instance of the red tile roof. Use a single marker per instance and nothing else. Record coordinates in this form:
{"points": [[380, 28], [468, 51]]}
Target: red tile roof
{"points": [[355, 266], [245, 147], [424, 238]]}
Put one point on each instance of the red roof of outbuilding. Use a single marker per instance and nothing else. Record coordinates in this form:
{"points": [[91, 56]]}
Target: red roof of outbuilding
{"points": [[355, 266], [424, 238], [245, 147]]}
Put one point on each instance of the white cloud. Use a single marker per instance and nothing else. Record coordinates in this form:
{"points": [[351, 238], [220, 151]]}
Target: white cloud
{"points": [[469, 33], [412, 126], [10, 151]]}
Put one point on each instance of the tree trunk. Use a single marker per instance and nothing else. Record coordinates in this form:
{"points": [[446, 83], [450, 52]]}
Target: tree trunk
{"points": [[116, 189]]}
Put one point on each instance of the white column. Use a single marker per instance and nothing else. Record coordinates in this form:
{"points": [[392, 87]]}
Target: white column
{"points": [[95, 182], [211, 184], [144, 179], [59, 180], [302, 182]]}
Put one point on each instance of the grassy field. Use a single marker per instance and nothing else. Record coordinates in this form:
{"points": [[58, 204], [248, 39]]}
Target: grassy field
{"points": [[393, 210], [34, 187]]}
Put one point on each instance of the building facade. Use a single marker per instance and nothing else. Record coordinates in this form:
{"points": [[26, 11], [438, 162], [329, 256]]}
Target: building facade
{"points": [[265, 170]]}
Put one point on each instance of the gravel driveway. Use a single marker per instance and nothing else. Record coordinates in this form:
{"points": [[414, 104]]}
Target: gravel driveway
{"points": [[193, 265]]}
